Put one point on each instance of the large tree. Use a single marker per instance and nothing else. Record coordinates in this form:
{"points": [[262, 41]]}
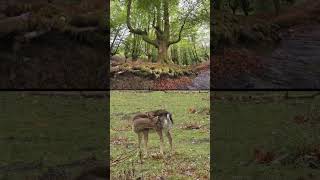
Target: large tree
{"points": [[161, 25]]}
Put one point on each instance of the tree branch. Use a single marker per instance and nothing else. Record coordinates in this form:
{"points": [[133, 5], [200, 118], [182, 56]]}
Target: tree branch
{"points": [[182, 26], [180, 32], [157, 23], [143, 33], [166, 18], [150, 41]]}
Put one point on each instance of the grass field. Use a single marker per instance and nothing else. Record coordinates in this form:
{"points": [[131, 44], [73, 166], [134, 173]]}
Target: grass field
{"points": [[191, 156], [40, 134], [264, 140]]}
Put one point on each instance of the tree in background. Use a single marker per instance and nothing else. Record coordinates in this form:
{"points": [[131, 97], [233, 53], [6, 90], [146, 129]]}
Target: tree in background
{"points": [[233, 4], [117, 24], [246, 6], [161, 25], [217, 4], [185, 39]]}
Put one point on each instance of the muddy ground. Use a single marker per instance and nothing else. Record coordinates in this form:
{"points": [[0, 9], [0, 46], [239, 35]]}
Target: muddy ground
{"points": [[53, 45], [198, 79], [290, 63]]}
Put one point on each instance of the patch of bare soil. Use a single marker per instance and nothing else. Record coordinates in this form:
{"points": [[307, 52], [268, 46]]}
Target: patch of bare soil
{"points": [[52, 45], [303, 13], [167, 83], [153, 76], [202, 80], [292, 64], [130, 81], [234, 67]]}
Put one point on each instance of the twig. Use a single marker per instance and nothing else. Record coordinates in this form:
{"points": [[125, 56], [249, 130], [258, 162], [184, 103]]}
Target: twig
{"points": [[121, 158]]}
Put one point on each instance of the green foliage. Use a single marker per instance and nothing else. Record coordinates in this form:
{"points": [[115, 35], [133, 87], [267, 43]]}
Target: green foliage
{"points": [[117, 14], [234, 4], [187, 52], [147, 5], [143, 16]]}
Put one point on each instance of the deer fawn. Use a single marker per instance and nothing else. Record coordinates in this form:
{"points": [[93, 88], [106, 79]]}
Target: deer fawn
{"points": [[159, 121]]}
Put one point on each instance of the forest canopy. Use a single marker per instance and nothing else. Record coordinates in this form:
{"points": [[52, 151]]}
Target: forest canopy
{"points": [[162, 31]]}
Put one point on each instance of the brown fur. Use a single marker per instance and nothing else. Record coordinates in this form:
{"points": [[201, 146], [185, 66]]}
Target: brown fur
{"points": [[153, 120]]}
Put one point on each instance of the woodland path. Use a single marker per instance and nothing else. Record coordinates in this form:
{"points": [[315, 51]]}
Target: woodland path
{"points": [[295, 63], [201, 82]]}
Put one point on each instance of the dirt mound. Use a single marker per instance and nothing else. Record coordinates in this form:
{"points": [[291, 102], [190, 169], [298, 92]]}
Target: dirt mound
{"points": [[45, 46], [166, 84], [293, 63], [303, 13], [145, 75], [229, 30], [233, 69], [290, 63], [151, 70], [48, 63]]}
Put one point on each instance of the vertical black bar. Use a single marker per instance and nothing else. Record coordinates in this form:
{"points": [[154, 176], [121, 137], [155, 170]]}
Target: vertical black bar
{"points": [[108, 87], [107, 84], [108, 131], [212, 3], [211, 43]]}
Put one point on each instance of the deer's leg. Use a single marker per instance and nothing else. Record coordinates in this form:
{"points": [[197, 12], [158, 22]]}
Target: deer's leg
{"points": [[161, 141], [145, 135], [139, 140], [170, 139]]}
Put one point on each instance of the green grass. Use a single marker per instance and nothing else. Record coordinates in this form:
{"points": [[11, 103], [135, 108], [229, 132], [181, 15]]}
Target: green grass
{"points": [[239, 127], [192, 147], [52, 130]]}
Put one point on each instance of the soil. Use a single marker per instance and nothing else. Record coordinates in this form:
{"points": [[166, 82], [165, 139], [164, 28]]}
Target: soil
{"points": [[49, 63], [58, 59], [295, 63], [292, 63], [200, 81]]}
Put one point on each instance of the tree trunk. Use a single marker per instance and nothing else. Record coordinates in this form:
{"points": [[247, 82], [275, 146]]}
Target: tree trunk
{"points": [[114, 40], [217, 4], [245, 5], [162, 53], [162, 41]]}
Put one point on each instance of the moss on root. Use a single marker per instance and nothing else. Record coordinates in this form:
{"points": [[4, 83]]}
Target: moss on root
{"points": [[232, 29], [154, 70], [57, 17]]}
